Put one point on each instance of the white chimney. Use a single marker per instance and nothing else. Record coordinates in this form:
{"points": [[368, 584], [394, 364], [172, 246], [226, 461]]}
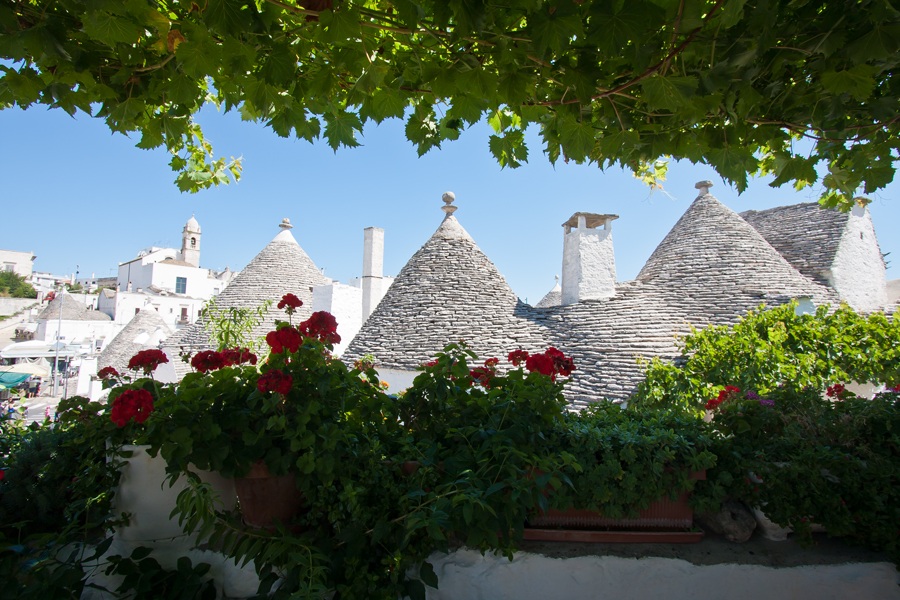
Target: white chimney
{"points": [[373, 269], [589, 265]]}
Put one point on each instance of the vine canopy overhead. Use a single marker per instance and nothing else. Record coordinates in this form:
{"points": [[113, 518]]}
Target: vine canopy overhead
{"points": [[734, 84]]}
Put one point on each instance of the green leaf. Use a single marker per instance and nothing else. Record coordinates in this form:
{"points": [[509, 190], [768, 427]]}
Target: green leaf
{"points": [[576, 137], [415, 589], [554, 31], [110, 28], [341, 129], [668, 93], [858, 81], [226, 16], [734, 163], [382, 104], [509, 149], [280, 66], [340, 26], [427, 575], [197, 55]]}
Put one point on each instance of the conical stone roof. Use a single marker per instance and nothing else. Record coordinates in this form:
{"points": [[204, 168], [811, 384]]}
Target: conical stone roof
{"points": [[281, 267], [712, 254], [551, 298], [807, 235], [449, 291], [145, 330], [72, 310]]}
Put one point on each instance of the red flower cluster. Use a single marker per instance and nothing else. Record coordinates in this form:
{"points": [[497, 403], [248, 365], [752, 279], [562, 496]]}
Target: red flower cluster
{"points": [[210, 360], [290, 303], [322, 326], [836, 391], [483, 375], [275, 381], [131, 404], [517, 357], [729, 392], [286, 337], [107, 373], [551, 362], [147, 360]]}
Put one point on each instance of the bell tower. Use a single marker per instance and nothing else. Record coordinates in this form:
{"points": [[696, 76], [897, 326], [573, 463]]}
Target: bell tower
{"points": [[190, 242]]}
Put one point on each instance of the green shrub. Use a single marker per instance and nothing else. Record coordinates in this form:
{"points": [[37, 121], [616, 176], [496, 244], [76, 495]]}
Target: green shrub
{"points": [[624, 460], [806, 459], [769, 348]]}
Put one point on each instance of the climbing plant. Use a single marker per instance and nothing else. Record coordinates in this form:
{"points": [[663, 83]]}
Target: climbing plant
{"points": [[733, 84], [776, 347]]}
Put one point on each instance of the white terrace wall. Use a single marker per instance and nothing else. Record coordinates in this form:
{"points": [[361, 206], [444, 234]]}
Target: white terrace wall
{"points": [[10, 306]]}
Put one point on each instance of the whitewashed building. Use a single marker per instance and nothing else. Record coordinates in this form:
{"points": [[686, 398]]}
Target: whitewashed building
{"points": [[17, 262], [166, 280]]}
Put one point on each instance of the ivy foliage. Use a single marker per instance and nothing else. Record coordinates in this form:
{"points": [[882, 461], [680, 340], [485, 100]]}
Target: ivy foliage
{"points": [[730, 84], [771, 348]]}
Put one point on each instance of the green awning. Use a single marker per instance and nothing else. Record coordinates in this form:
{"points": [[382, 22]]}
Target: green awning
{"points": [[11, 380]]}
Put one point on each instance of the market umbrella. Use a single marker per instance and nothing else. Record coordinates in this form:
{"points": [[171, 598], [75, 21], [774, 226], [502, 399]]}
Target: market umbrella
{"points": [[26, 369]]}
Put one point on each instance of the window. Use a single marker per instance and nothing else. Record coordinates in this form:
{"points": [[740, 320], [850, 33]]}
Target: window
{"points": [[184, 314], [9, 267], [193, 242], [181, 285]]}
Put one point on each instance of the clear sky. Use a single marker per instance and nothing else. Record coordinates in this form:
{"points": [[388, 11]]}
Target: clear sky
{"points": [[82, 198]]}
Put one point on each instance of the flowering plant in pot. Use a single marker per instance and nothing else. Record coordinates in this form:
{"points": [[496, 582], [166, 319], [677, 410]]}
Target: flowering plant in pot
{"points": [[479, 435], [291, 413]]}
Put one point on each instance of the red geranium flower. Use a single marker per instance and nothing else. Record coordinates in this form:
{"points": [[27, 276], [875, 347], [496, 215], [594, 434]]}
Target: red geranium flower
{"points": [[131, 404], [290, 302], [321, 325], [107, 373], [492, 362], [275, 381], [836, 391], [208, 360], [482, 375], [517, 357], [147, 360], [541, 363], [237, 356], [286, 337]]}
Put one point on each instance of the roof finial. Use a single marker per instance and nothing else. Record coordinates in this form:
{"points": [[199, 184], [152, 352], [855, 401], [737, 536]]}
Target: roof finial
{"points": [[703, 186], [285, 224], [448, 198]]}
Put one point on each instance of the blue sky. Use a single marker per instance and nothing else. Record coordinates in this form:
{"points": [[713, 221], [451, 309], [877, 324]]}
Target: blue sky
{"points": [[80, 197]]}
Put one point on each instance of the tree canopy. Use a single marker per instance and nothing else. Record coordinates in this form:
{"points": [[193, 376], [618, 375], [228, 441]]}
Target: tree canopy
{"points": [[735, 84]]}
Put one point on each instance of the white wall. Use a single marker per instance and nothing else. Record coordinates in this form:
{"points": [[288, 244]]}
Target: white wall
{"points": [[86, 331], [19, 262], [858, 272], [345, 303], [469, 574], [123, 306]]}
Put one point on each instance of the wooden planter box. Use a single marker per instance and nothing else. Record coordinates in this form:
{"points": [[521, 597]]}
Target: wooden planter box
{"points": [[664, 520]]}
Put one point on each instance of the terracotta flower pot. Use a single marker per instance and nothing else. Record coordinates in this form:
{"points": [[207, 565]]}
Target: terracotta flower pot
{"points": [[664, 520], [267, 499], [145, 495]]}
